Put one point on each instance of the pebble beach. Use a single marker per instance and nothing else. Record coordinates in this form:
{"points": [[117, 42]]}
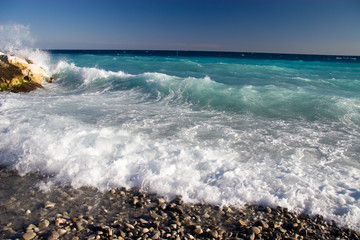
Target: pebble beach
{"points": [[26, 212]]}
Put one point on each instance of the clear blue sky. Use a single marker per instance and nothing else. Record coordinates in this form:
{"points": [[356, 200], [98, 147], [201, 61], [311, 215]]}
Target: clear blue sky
{"points": [[286, 26]]}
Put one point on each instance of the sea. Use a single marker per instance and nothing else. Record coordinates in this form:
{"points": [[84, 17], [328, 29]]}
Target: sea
{"points": [[214, 127]]}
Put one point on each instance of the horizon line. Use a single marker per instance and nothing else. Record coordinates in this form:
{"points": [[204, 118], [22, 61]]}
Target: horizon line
{"points": [[209, 51]]}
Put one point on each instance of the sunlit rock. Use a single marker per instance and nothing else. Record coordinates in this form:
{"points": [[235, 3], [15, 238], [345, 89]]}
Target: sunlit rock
{"points": [[18, 74]]}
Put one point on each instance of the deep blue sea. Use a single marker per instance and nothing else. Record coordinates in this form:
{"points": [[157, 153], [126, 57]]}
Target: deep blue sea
{"points": [[221, 128]]}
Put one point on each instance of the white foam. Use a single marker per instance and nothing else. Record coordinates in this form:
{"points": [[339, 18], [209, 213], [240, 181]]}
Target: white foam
{"points": [[87, 74]]}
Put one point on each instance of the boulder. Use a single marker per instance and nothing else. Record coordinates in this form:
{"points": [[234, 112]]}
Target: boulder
{"points": [[19, 74]]}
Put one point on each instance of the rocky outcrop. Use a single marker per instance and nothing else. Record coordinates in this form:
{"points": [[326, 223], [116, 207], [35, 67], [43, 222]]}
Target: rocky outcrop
{"points": [[18, 74]]}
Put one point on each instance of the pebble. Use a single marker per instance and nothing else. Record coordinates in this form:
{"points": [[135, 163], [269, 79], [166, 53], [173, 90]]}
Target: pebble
{"points": [[54, 235], [262, 224], [61, 231], [44, 224], [143, 221], [29, 235], [242, 223], [198, 230], [129, 226], [256, 230], [8, 230], [49, 204], [119, 218], [60, 221], [79, 225], [160, 200], [214, 234]]}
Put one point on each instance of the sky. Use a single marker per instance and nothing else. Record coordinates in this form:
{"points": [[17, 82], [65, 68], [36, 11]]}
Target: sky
{"points": [[275, 26]]}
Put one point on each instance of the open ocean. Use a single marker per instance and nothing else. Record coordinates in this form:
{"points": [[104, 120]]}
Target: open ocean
{"points": [[221, 128]]}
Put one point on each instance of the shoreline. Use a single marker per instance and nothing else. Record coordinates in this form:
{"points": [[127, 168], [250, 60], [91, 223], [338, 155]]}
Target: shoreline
{"points": [[28, 213]]}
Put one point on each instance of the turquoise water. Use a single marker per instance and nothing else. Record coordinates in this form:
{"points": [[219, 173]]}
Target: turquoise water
{"points": [[223, 130]]}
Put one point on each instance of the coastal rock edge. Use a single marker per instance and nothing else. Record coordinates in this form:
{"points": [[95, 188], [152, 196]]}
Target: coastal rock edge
{"points": [[18, 74]]}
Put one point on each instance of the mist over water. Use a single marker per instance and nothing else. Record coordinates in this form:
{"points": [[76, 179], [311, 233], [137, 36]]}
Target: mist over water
{"points": [[212, 129]]}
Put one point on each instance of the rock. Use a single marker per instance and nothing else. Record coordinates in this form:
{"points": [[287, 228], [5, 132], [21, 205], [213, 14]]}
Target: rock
{"points": [[60, 221], [252, 236], [61, 231], [79, 225], [44, 224], [262, 224], [143, 221], [156, 235], [49, 204], [242, 223], [19, 75], [160, 200], [30, 228], [256, 230], [8, 230], [129, 226], [198, 230], [54, 235], [214, 234], [268, 209], [29, 235]]}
